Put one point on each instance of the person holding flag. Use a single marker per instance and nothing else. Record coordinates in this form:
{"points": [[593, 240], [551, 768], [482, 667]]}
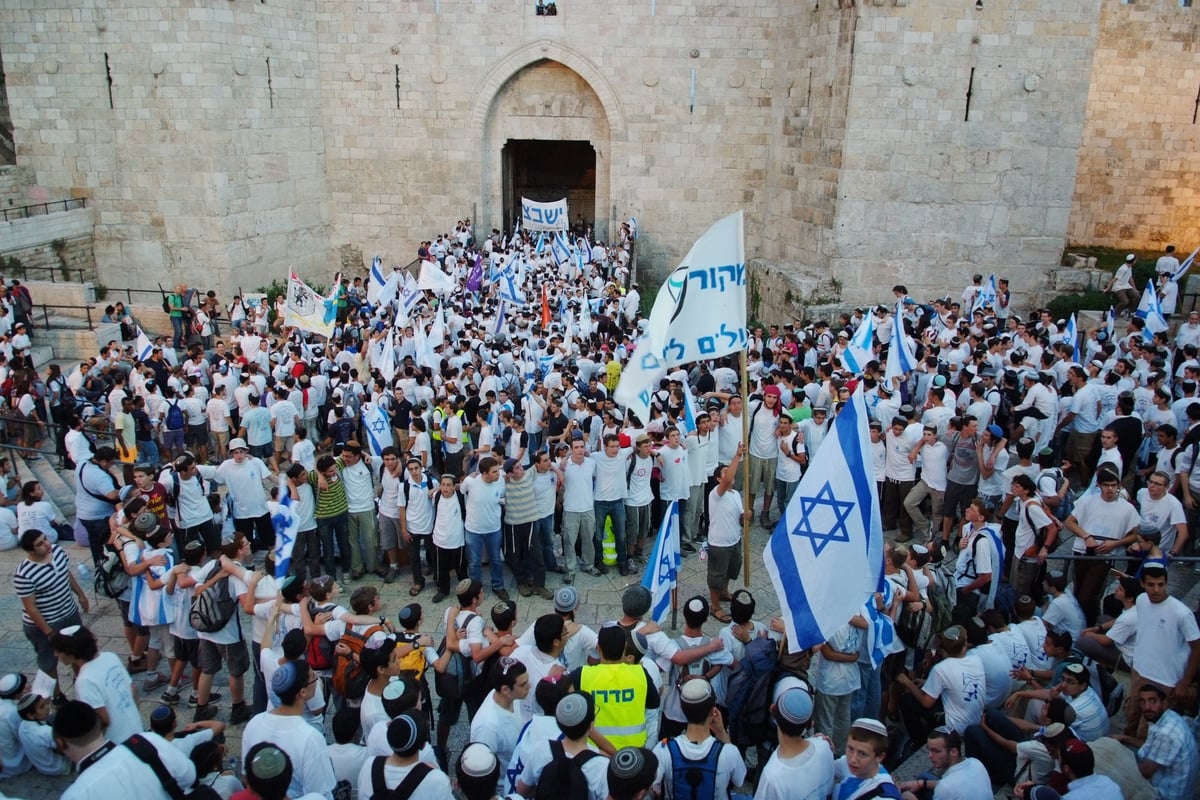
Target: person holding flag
{"points": [[726, 516]]}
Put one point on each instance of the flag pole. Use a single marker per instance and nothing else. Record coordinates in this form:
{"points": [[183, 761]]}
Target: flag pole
{"points": [[675, 608], [745, 472]]}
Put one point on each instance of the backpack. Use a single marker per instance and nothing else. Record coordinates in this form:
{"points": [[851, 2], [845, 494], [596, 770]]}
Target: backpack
{"points": [[349, 680], [452, 683], [111, 578], [748, 693], [563, 776], [174, 417], [1003, 409], [1066, 505], [147, 753], [462, 503], [426, 478], [942, 594], [320, 651], [213, 608], [694, 779], [414, 663], [406, 787], [671, 701], [166, 304]]}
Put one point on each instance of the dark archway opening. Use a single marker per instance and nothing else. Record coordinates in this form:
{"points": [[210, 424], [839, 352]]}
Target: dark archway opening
{"points": [[545, 171]]}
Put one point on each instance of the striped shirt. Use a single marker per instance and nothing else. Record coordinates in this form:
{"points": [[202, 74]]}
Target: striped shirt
{"points": [[332, 501], [50, 586], [520, 500]]}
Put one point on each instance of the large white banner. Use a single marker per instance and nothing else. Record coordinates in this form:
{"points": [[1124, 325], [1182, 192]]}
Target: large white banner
{"points": [[308, 310], [537, 216]]}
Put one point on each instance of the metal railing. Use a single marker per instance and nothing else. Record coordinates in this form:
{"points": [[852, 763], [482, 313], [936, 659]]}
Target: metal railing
{"points": [[51, 207], [78, 271], [45, 309], [129, 293]]}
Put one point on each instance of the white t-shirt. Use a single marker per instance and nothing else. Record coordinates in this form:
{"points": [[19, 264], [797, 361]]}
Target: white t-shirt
{"points": [[577, 485], [787, 469], [435, 786], [675, 477], [447, 519], [725, 510], [245, 484], [933, 465], [1103, 520], [417, 508], [966, 780], [497, 727], [1163, 633], [539, 756], [36, 516], [961, 685], [104, 683], [807, 776], [312, 771], [1064, 613], [284, 414], [483, 504]]}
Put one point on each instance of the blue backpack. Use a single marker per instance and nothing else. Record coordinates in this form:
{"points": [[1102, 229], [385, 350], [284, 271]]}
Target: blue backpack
{"points": [[748, 693], [694, 779]]}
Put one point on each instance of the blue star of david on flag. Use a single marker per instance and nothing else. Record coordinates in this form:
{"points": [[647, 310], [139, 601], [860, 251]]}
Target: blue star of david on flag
{"points": [[815, 522]]}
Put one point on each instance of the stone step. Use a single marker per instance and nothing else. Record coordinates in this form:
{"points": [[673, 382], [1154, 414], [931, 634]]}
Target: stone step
{"points": [[57, 491]]}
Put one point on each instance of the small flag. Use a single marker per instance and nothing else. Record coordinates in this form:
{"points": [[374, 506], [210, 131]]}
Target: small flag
{"points": [[475, 279], [639, 379], [499, 326], [882, 640], [144, 345], [560, 249], [633, 227], [378, 427], [1110, 323], [541, 243], [387, 359], [662, 570], [509, 292], [861, 350], [380, 290], [1071, 336], [689, 412], [825, 557], [287, 526], [900, 360]]}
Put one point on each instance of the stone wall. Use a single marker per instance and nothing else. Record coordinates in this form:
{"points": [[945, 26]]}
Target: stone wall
{"points": [[1139, 167]]}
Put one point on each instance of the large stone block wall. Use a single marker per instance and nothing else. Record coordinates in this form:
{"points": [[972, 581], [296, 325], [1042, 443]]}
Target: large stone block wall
{"points": [[928, 193], [200, 170], [1139, 164]]}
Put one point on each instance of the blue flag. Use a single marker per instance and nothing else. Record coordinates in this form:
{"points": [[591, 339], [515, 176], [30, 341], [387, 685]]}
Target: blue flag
{"points": [[825, 557], [560, 249], [144, 346], [662, 569], [1184, 266], [1150, 310], [861, 351], [882, 640], [1071, 337], [287, 526], [986, 296], [689, 412], [541, 243], [378, 428], [900, 359], [499, 326]]}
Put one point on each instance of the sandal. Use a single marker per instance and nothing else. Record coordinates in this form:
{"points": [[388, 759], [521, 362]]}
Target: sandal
{"points": [[415, 590], [721, 616]]}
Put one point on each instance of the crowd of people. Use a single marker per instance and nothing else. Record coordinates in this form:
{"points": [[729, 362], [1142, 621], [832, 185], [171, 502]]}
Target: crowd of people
{"points": [[502, 446]]}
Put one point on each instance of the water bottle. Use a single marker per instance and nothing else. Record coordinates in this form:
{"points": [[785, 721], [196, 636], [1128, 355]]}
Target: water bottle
{"points": [[85, 574], [704, 552]]}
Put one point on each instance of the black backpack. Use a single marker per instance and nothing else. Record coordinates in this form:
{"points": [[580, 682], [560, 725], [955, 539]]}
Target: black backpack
{"points": [[462, 503], [563, 776], [111, 578], [748, 693], [147, 753], [213, 608], [406, 787]]}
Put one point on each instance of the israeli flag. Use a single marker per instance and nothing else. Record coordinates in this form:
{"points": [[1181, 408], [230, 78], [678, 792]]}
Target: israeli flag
{"points": [[900, 359], [560, 249], [579, 248], [387, 359], [1071, 336], [499, 326], [1150, 310], [1184, 266], [639, 378], [143, 345], [860, 352], [662, 570], [541, 243], [633, 227], [1110, 323], [509, 292], [882, 640], [378, 428], [380, 290], [546, 364], [986, 296], [825, 557], [689, 412], [287, 526]]}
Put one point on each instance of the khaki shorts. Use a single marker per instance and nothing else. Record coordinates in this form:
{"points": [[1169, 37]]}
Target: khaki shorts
{"points": [[724, 564], [283, 444], [762, 475]]}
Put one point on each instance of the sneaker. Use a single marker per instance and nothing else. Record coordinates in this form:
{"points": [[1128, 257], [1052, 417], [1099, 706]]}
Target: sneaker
{"points": [[135, 666], [524, 590], [543, 592], [502, 593], [391, 575], [356, 575], [439, 597], [213, 699], [239, 714], [601, 569], [687, 547], [624, 569], [153, 682], [568, 578], [205, 713], [170, 697]]}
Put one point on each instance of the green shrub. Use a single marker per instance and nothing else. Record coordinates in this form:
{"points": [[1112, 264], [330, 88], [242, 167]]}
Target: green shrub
{"points": [[1064, 306]]}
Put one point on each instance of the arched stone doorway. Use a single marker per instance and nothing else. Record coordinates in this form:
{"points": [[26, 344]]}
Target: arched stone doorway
{"points": [[549, 120]]}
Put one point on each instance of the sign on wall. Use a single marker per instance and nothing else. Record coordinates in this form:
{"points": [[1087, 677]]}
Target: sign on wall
{"points": [[537, 216]]}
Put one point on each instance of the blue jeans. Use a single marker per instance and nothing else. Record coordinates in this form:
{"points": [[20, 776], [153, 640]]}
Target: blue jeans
{"points": [[147, 451], [543, 534], [476, 542], [177, 336], [614, 509], [328, 528], [535, 443], [867, 698]]}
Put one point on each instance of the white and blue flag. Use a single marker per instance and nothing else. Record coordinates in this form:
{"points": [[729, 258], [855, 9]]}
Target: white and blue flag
{"points": [[378, 428], [860, 352], [900, 359], [986, 296], [825, 557], [662, 570], [1150, 310], [143, 345], [1184, 266], [382, 290], [541, 243], [509, 292], [882, 640], [1110, 323], [287, 526], [1071, 337], [639, 379], [560, 249], [499, 326], [689, 412]]}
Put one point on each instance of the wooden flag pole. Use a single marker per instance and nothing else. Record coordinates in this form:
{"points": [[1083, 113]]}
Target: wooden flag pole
{"points": [[746, 516], [675, 606]]}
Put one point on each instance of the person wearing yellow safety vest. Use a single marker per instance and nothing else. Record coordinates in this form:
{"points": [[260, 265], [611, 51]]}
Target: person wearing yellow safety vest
{"points": [[622, 691]]}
